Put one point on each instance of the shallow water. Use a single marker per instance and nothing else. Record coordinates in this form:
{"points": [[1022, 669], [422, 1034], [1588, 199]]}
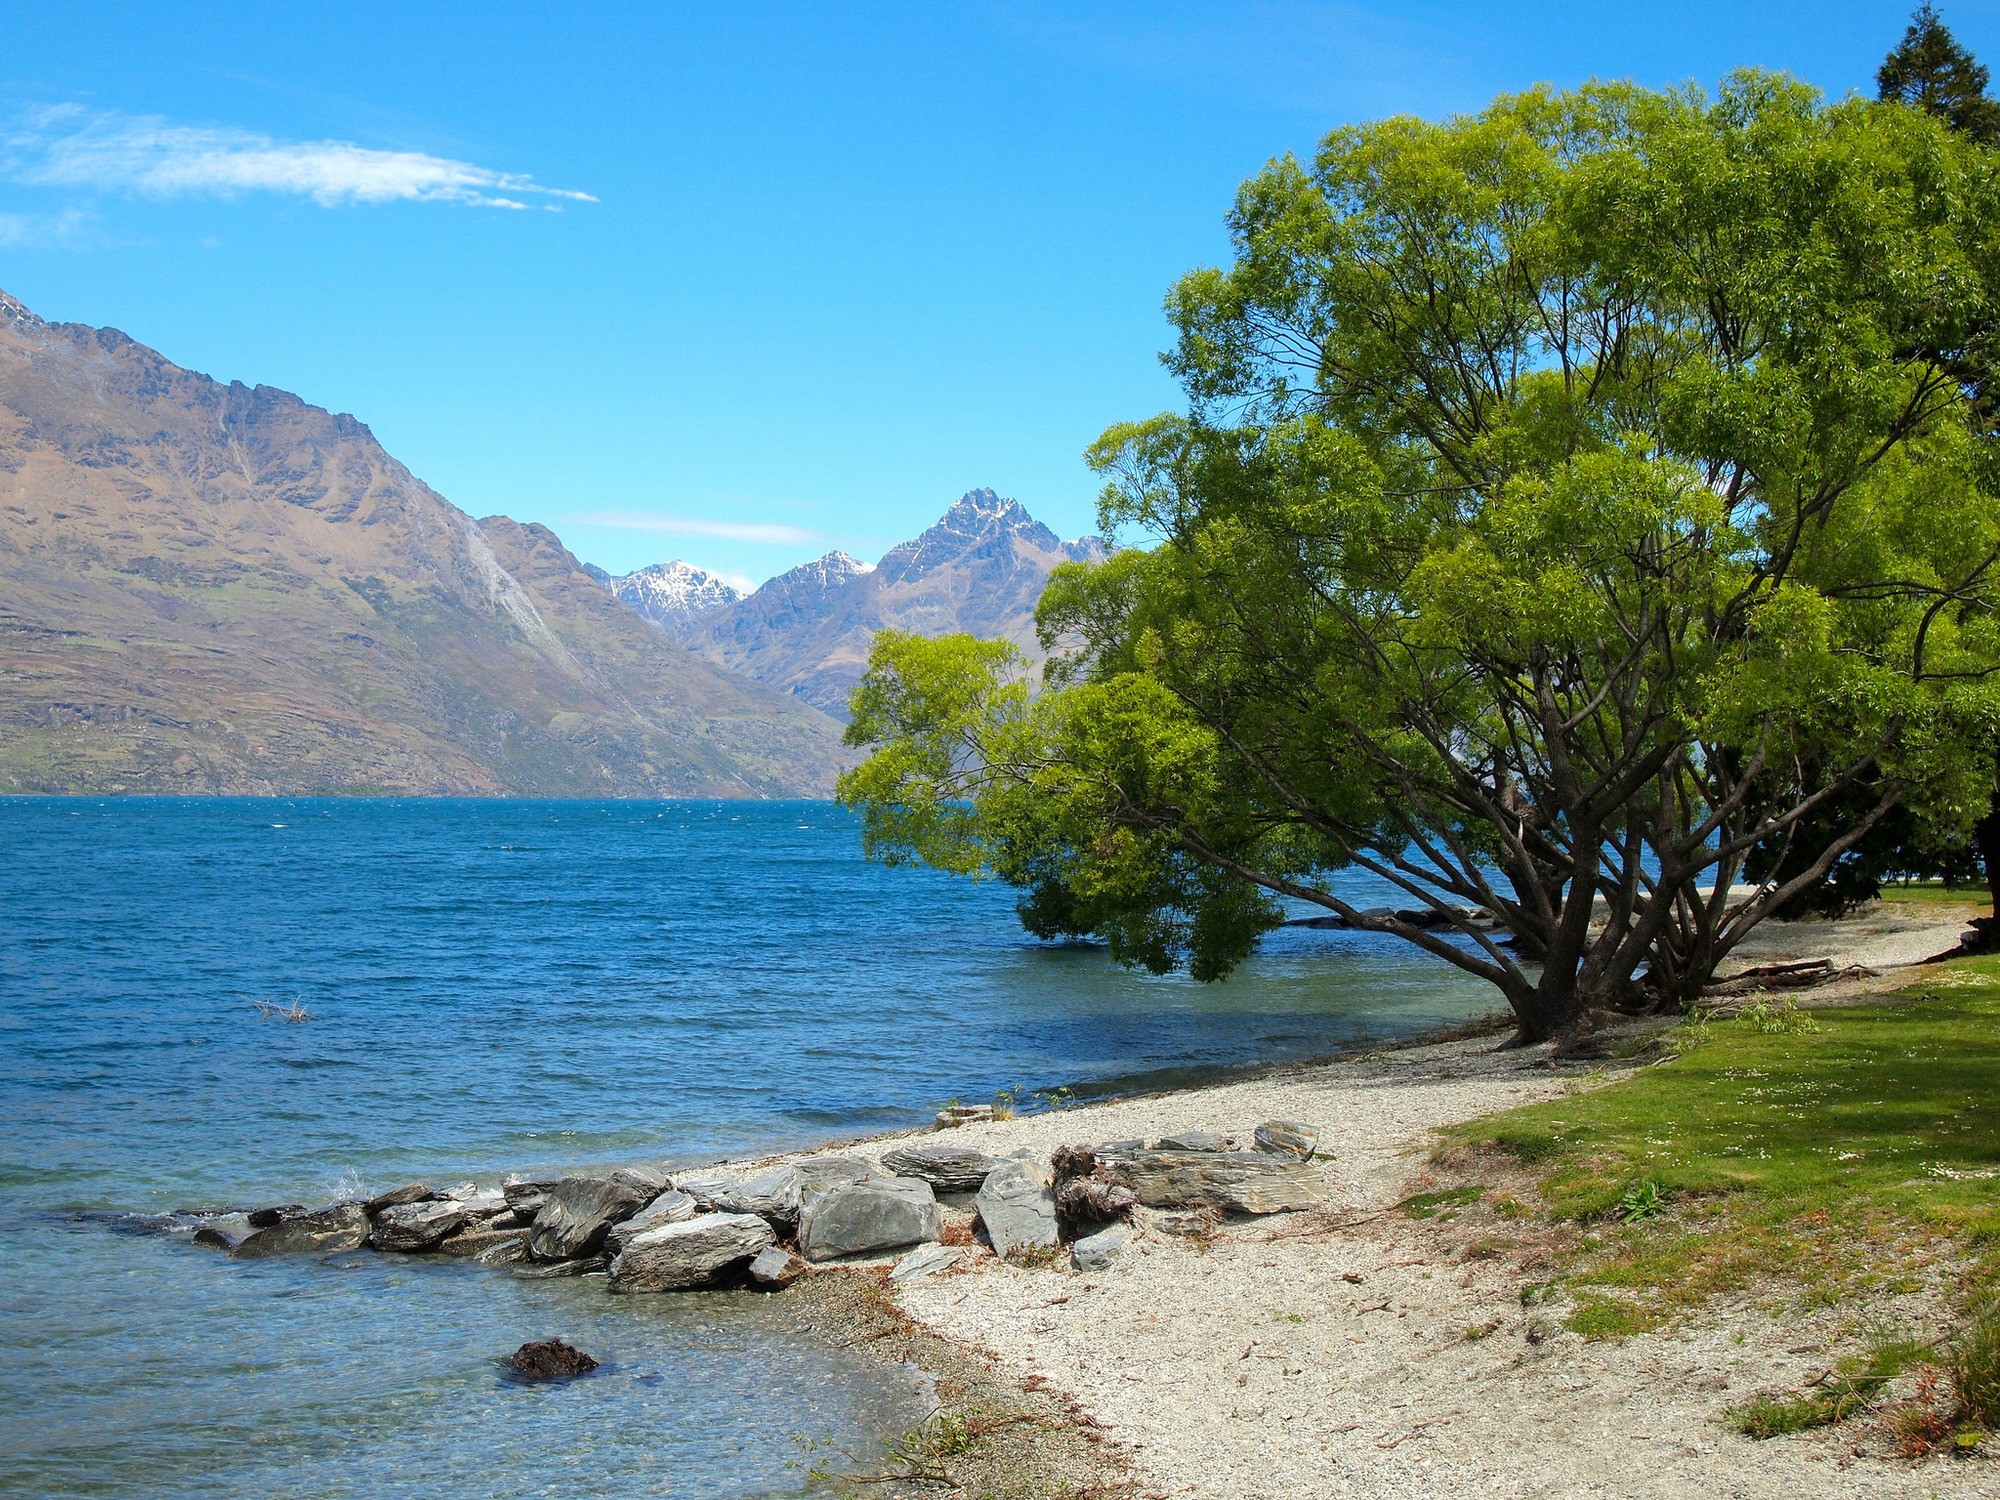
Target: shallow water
{"points": [[492, 986]]}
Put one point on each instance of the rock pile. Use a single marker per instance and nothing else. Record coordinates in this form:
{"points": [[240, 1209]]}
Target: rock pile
{"points": [[650, 1231]]}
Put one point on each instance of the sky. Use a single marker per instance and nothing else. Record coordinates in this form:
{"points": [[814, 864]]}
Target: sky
{"points": [[743, 283]]}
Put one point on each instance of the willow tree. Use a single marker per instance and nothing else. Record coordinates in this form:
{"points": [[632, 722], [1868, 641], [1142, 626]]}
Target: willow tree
{"points": [[1571, 501]]}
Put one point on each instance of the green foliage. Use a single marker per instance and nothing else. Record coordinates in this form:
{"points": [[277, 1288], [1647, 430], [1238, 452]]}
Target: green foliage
{"points": [[1646, 1200], [1575, 500], [1851, 1387], [1930, 71], [1973, 1361]]}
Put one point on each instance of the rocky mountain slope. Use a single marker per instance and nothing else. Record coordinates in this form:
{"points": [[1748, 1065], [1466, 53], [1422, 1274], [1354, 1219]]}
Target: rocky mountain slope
{"points": [[979, 569], [210, 588], [669, 596]]}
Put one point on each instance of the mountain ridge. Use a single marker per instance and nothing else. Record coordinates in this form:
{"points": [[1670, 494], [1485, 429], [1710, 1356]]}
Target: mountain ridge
{"points": [[981, 567], [223, 588]]}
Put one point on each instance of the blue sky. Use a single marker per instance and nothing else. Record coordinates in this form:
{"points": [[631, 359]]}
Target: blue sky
{"points": [[738, 283]]}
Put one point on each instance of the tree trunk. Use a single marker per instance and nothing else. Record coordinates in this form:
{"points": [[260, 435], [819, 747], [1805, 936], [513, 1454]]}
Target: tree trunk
{"points": [[1986, 839]]}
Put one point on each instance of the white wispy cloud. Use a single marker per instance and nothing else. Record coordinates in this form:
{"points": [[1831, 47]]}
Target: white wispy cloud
{"points": [[19, 231], [69, 146], [732, 531]]}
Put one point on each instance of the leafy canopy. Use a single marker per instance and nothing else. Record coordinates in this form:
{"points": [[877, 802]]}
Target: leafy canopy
{"points": [[1573, 500]]}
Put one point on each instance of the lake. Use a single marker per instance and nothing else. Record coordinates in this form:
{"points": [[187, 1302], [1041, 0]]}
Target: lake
{"points": [[493, 986]]}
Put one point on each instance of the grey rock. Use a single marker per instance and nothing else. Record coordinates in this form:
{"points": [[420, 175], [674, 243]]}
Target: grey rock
{"points": [[528, 1193], [1243, 1182], [409, 1192], [413, 1227], [651, 1179], [692, 1253], [776, 1268], [949, 1169], [822, 1171], [1096, 1252], [460, 1192], [264, 1218], [702, 1186], [582, 1265], [1289, 1136], [1119, 1150], [963, 1114], [214, 1238], [506, 1251], [341, 1227], [1018, 1207], [926, 1260], [472, 1242], [1196, 1140], [490, 1203], [572, 1222], [860, 1218], [772, 1195], [671, 1207]]}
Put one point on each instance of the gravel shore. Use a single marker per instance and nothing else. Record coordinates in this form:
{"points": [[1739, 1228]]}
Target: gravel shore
{"points": [[1354, 1351]]}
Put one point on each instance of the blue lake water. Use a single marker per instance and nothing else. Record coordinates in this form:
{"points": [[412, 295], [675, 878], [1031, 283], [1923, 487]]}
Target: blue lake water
{"points": [[496, 986]]}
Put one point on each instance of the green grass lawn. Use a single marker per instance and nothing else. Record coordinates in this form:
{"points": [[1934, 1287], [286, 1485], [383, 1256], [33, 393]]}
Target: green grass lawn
{"points": [[1937, 895], [1832, 1157], [1839, 1147]]}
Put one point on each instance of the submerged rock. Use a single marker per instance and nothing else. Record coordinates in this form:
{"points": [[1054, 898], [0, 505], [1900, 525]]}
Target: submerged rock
{"points": [[544, 1270], [860, 1218], [1018, 1207], [926, 1260], [473, 1242], [1241, 1182], [1096, 1252], [776, 1268], [507, 1250], [578, 1212], [341, 1227], [264, 1218], [415, 1227], [1289, 1136], [214, 1238], [550, 1359], [949, 1169], [692, 1253]]}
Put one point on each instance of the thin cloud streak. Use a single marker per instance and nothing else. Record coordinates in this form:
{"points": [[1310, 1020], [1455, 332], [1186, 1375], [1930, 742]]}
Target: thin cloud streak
{"points": [[732, 531], [69, 146]]}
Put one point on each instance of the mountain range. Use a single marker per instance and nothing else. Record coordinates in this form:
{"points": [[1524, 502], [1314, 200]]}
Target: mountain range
{"points": [[221, 588], [214, 588], [981, 569]]}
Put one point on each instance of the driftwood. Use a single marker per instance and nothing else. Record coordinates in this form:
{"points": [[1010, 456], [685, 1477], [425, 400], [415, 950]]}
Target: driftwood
{"points": [[1084, 1194], [1800, 974]]}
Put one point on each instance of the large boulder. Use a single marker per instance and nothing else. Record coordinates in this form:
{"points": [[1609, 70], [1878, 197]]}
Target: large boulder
{"points": [[692, 1253], [1238, 1182], [1196, 1140], [473, 1241], [574, 1219], [413, 1227], [671, 1207], [860, 1218], [772, 1195], [341, 1227], [949, 1169], [526, 1195], [823, 1171], [1018, 1207]]}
